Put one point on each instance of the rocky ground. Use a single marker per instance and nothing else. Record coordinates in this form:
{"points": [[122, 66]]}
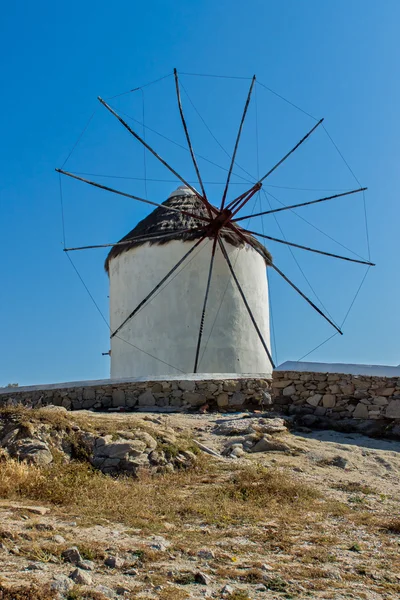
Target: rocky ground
{"points": [[195, 506]]}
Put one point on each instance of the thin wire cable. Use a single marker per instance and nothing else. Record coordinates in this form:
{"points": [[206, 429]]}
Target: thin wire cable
{"points": [[215, 76], [140, 87], [341, 155], [357, 180], [79, 138], [275, 353], [298, 264], [144, 149], [319, 346], [287, 101], [62, 209], [106, 322], [281, 187], [355, 297], [212, 135], [314, 226], [183, 147]]}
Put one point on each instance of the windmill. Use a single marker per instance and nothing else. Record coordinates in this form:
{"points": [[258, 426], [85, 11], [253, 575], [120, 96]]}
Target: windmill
{"points": [[222, 326]]}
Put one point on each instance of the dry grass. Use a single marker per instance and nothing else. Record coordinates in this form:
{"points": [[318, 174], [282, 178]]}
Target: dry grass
{"points": [[147, 502]]}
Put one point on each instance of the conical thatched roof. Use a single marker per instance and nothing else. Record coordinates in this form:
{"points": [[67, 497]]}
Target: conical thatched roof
{"points": [[164, 221]]}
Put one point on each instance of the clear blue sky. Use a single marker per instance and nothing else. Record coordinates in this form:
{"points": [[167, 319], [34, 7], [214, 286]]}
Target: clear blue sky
{"points": [[337, 59]]}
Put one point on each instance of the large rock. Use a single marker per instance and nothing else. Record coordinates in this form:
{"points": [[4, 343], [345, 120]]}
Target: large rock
{"points": [[121, 448], [32, 451], [146, 399], [269, 445]]}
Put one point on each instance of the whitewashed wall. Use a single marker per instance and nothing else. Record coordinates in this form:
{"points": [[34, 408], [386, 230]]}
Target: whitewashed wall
{"points": [[168, 326]]}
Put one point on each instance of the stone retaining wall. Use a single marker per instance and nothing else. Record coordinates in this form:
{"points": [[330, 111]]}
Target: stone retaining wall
{"points": [[337, 396], [171, 395], [327, 395]]}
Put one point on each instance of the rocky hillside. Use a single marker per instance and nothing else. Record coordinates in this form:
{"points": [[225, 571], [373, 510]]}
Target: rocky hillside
{"points": [[194, 506]]}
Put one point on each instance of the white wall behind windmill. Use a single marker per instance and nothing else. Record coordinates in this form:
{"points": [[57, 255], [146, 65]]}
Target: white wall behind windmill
{"points": [[167, 328]]}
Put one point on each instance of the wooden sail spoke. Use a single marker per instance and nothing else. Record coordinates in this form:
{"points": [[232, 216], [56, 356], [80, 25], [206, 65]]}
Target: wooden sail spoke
{"points": [[149, 148], [246, 106], [303, 139], [210, 208], [126, 195], [268, 237], [138, 239], [203, 312], [310, 302], [282, 208]]}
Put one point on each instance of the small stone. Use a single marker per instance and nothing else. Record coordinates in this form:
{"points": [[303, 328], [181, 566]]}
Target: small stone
{"points": [[58, 539], [81, 577], [261, 588], [385, 391], [36, 567], [380, 401], [237, 399], [202, 578], [86, 565], [339, 461], [393, 410], [265, 566], [266, 445], [328, 400], [281, 384], [61, 584], [238, 452], [106, 591], [131, 572], [289, 391], [147, 399], [187, 385], [71, 555], [223, 400], [314, 400], [227, 590], [361, 411], [207, 554], [114, 562]]}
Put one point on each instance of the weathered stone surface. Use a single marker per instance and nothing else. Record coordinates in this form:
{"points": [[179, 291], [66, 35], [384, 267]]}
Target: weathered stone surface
{"points": [[71, 555], [223, 400], [32, 451], [361, 411], [385, 391], [118, 398], [61, 584], [314, 400], [237, 399], [194, 398], [269, 445], [187, 385], [328, 400], [289, 391], [121, 448], [81, 577], [281, 383], [146, 399], [114, 562], [393, 410]]}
